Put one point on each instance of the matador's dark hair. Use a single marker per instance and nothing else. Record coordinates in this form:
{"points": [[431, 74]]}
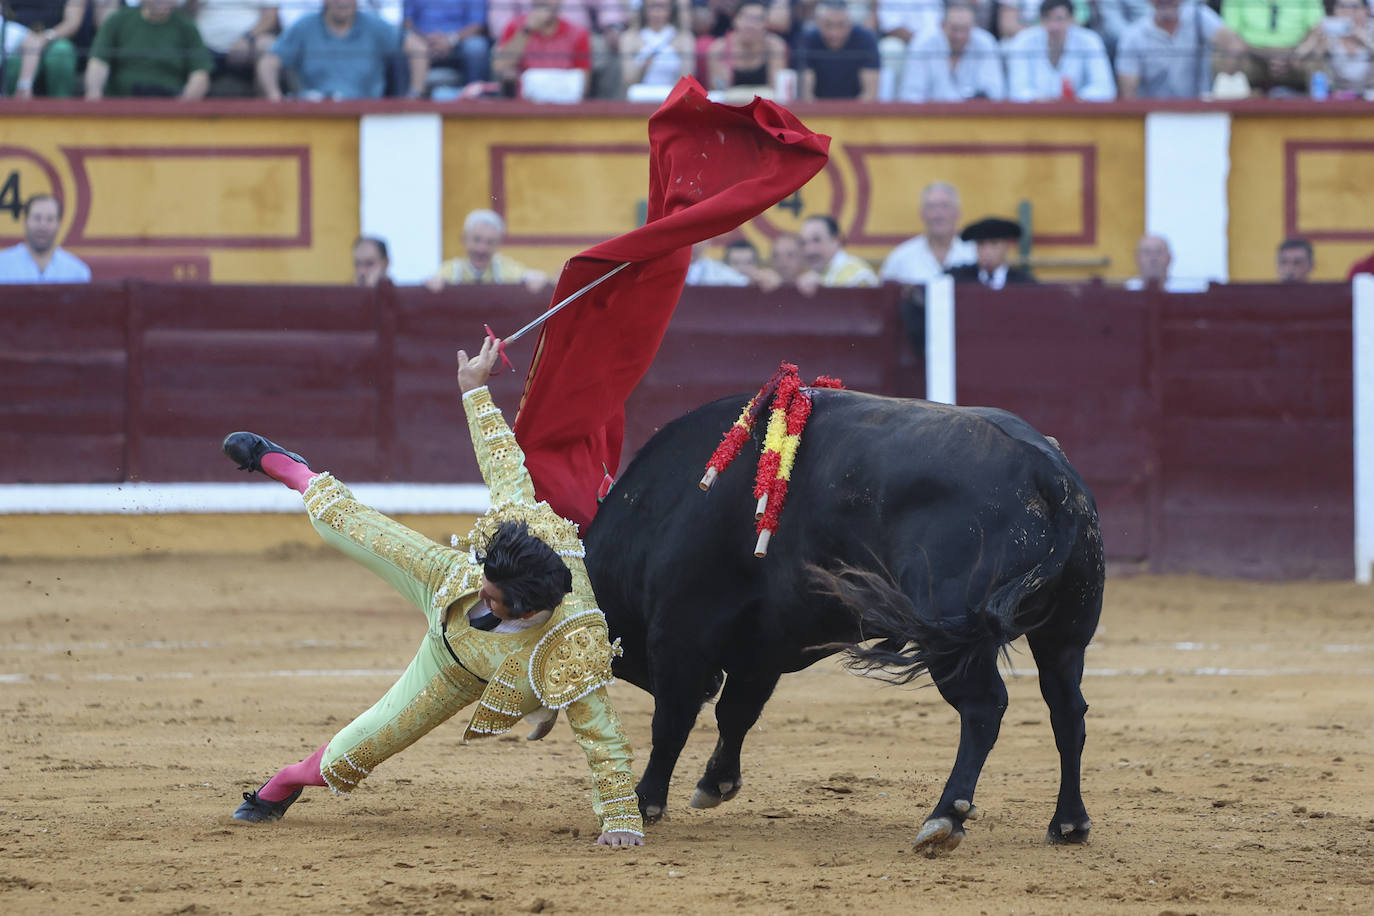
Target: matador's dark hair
{"points": [[529, 573]]}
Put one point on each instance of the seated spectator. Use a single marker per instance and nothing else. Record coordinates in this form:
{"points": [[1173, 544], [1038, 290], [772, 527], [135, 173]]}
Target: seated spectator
{"points": [[707, 271], [1270, 33], [1341, 45], [836, 58], [898, 23], [341, 53], [454, 33], [747, 55], [827, 263], [1057, 59], [37, 259], [744, 257], [1362, 266], [994, 238], [955, 62], [1152, 261], [483, 232], [541, 40], [238, 33], [153, 50], [1294, 261], [604, 22], [38, 46], [371, 261], [660, 51], [1169, 55], [1115, 16], [785, 259], [923, 258]]}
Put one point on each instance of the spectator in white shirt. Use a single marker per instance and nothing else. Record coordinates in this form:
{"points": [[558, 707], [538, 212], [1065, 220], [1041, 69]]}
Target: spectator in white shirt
{"points": [[1058, 60], [955, 62], [927, 256], [1152, 261]]}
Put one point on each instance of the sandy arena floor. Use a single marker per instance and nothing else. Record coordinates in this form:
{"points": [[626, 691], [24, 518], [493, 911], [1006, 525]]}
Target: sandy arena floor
{"points": [[1228, 767]]}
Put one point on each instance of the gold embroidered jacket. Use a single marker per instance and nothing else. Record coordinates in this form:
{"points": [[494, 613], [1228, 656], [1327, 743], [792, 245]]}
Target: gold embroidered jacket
{"points": [[564, 663]]}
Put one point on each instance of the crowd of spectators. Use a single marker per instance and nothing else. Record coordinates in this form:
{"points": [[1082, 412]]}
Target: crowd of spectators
{"points": [[564, 50]]}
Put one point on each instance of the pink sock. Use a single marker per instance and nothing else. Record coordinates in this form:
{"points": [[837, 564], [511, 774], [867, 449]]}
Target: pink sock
{"points": [[289, 779], [292, 473]]}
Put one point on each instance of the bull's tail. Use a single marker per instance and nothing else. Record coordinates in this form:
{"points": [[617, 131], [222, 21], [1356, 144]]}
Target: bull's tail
{"points": [[909, 644], [912, 644]]}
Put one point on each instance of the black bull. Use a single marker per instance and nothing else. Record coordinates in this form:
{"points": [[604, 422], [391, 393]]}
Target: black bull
{"points": [[941, 532]]}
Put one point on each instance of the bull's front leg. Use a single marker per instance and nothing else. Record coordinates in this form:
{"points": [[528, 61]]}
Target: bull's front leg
{"points": [[980, 698], [679, 691]]}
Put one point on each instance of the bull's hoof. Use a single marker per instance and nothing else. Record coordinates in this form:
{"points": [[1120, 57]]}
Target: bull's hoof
{"points": [[703, 797], [652, 814], [938, 836], [1069, 833]]}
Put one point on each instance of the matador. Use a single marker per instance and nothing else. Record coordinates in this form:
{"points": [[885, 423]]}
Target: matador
{"points": [[513, 622]]}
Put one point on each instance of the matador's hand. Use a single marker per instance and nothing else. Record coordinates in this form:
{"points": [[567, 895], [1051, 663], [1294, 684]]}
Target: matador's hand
{"points": [[473, 373], [619, 838]]}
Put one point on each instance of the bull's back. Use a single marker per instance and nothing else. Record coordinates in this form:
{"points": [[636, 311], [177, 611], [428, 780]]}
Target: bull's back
{"points": [[941, 497]]}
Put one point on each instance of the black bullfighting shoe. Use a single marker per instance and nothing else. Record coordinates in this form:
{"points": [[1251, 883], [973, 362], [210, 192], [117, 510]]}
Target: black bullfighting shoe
{"points": [[256, 810], [246, 450]]}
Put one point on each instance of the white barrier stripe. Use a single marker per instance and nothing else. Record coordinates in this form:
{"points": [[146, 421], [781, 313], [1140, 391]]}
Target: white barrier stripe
{"points": [[343, 673], [231, 498]]}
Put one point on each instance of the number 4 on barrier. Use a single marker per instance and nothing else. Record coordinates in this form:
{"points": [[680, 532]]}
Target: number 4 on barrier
{"points": [[10, 197]]}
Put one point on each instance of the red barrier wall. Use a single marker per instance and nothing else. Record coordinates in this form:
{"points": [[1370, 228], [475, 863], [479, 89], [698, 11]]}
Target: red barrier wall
{"points": [[1214, 429]]}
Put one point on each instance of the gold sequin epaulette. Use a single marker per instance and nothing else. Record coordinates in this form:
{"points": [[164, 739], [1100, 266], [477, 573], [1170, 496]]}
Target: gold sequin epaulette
{"points": [[544, 523], [572, 659]]}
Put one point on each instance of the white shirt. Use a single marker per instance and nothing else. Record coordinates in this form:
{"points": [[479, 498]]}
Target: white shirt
{"points": [[1171, 285], [927, 76], [710, 272], [664, 63], [223, 22], [480, 609], [995, 280], [1083, 62], [914, 262], [18, 266], [916, 16]]}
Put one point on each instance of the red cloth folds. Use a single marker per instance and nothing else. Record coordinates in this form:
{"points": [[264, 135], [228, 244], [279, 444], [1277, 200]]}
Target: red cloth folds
{"points": [[712, 167]]}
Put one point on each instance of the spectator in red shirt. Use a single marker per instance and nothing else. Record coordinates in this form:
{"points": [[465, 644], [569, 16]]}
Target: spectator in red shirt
{"points": [[541, 40]]}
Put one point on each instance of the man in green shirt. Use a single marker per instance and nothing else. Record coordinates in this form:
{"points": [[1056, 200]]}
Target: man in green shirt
{"points": [[153, 50], [1271, 30]]}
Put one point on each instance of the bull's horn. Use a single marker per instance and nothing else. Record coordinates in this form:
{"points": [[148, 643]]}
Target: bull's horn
{"points": [[761, 548], [709, 478]]}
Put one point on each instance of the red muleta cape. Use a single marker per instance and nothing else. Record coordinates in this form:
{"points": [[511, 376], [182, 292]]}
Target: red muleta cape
{"points": [[712, 168]]}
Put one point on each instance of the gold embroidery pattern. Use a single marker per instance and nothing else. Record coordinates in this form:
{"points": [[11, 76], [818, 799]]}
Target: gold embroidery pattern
{"points": [[544, 523], [446, 693], [572, 659], [619, 803], [505, 702]]}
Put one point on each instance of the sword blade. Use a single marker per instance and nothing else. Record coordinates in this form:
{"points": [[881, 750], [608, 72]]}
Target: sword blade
{"points": [[557, 308]]}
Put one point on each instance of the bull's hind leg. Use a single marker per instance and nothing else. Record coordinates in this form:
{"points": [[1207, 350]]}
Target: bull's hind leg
{"points": [[736, 712], [1061, 673], [980, 697]]}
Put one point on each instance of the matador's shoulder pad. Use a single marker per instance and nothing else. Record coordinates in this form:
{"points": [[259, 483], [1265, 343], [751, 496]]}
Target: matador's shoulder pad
{"points": [[572, 659]]}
